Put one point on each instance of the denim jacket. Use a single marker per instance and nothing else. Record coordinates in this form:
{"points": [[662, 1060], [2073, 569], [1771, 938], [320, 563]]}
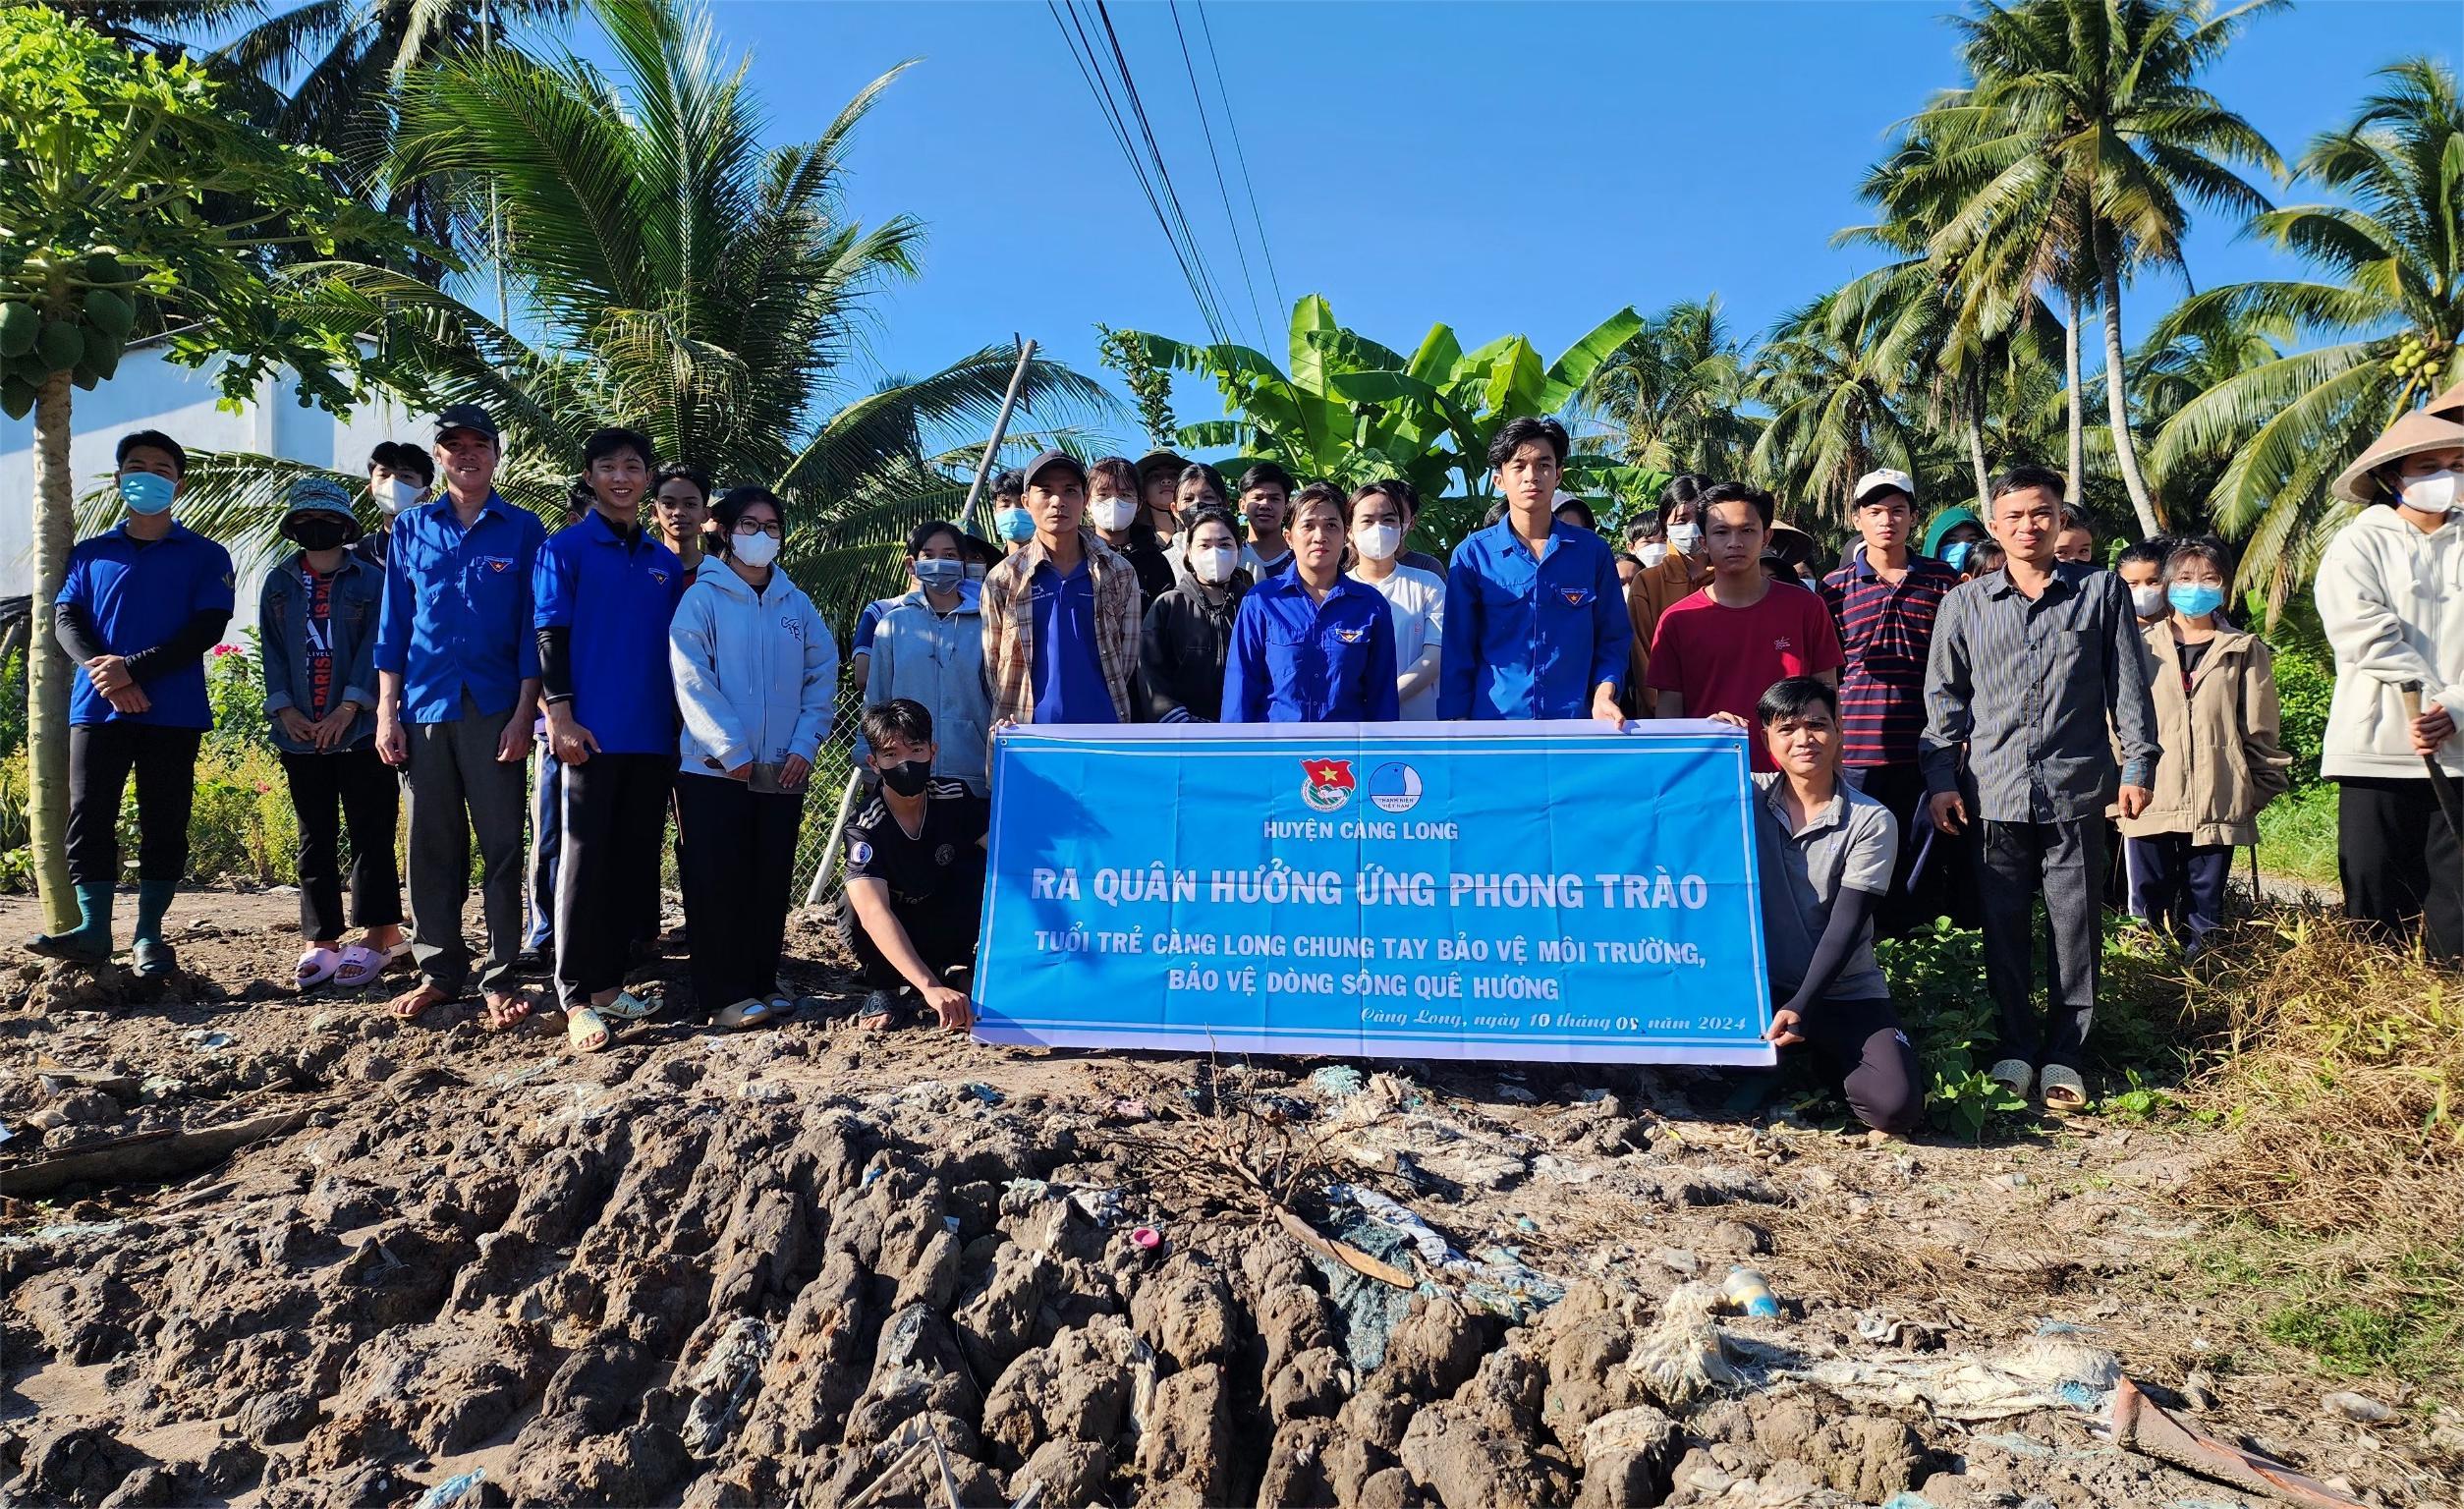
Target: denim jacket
{"points": [[282, 619]]}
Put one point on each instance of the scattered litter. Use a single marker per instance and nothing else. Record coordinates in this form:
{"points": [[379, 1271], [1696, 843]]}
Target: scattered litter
{"points": [[2141, 1426], [1508, 1089], [873, 1174], [983, 1092], [1684, 1355], [156, 1087], [199, 1038], [1525, 1224], [1145, 1238], [1496, 1280], [2045, 1372], [949, 1223], [1102, 1207], [2199, 1390], [1370, 1292], [1886, 1330], [6, 1133], [1131, 1109], [1678, 1260], [1338, 1082], [505, 1079], [2355, 1407], [2018, 1445], [1750, 1294], [1903, 1499], [454, 1491], [724, 1381], [66, 1231]]}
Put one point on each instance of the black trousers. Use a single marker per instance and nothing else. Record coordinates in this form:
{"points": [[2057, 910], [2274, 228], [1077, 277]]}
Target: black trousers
{"points": [[2175, 884], [2064, 862], [736, 855], [615, 814], [2399, 860], [351, 788], [1901, 788], [1860, 1048], [101, 759], [943, 934]]}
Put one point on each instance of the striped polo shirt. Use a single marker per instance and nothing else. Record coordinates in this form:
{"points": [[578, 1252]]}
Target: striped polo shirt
{"points": [[1885, 629]]}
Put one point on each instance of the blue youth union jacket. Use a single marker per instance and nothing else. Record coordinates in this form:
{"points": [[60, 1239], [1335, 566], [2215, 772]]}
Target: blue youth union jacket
{"points": [[1295, 660]]}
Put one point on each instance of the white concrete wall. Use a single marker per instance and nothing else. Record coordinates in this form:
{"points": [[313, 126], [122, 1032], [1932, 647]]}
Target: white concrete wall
{"points": [[150, 392]]}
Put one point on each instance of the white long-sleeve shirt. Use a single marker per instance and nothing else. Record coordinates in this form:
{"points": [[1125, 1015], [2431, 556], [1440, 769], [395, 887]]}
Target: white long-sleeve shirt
{"points": [[2392, 598], [1419, 602]]}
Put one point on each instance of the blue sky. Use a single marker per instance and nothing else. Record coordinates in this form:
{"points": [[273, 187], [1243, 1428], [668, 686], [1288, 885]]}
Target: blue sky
{"points": [[1503, 168]]}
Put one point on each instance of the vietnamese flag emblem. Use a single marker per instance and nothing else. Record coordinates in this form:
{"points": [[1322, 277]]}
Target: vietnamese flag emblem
{"points": [[1328, 774]]}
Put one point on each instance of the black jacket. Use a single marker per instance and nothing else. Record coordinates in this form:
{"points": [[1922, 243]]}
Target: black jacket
{"points": [[1153, 564], [1181, 653]]}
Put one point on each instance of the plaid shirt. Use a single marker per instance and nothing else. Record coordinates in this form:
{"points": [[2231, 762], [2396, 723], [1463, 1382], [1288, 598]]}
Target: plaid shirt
{"points": [[1009, 627], [1887, 629]]}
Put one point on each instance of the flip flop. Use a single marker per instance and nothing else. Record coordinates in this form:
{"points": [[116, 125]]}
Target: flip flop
{"points": [[743, 1014], [363, 966], [426, 994], [316, 966], [2016, 1072], [585, 1031], [629, 1007], [2064, 1090], [516, 1010]]}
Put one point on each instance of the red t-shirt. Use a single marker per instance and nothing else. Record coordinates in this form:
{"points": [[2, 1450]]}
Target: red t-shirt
{"points": [[1722, 659]]}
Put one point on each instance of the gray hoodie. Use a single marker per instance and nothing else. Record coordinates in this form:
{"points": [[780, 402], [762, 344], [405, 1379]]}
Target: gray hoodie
{"points": [[757, 674]]}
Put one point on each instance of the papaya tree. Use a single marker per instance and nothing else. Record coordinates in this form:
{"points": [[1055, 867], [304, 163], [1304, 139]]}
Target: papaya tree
{"points": [[1350, 411], [134, 203]]}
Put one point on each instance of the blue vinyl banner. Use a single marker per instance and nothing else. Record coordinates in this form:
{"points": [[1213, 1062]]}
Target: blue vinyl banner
{"points": [[1550, 891]]}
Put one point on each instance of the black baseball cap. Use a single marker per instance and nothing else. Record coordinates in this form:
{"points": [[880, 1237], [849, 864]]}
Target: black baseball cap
{"points": [[468, 416], [1052, 458]]}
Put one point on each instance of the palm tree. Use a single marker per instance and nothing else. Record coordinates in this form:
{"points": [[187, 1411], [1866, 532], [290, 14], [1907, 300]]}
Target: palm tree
{"points": [[2085, 139], [2393, 257], [1826, 375], [1670, 393], [684, 279]]}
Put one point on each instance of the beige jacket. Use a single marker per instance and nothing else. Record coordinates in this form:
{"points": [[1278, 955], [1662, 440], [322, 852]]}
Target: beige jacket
{"points": [[2223, 760]]}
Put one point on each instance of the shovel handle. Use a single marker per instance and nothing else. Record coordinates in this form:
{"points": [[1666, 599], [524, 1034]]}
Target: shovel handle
{"points": [[2411, 694]]}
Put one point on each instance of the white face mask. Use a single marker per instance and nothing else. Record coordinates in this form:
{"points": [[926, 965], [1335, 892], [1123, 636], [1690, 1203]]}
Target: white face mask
{"points": [[1653, 552], [1685, 538], [753, 550], [1212, 564], [2148, 601], [1111, 514], [396, 494], [1378, 542], [2437, 493]]}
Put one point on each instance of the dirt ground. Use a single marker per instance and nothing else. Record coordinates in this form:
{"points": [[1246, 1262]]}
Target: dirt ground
{"points": [[810, 1267]]}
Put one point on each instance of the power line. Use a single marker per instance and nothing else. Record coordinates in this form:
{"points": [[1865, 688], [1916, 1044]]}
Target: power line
{"points": [[1155, 149], [1083, 53], [1232, 128], [1198, 96]]}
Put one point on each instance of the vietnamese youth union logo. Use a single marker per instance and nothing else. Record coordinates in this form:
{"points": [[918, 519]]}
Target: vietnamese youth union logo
{"points": [[1395, 787], [1326, 784]]}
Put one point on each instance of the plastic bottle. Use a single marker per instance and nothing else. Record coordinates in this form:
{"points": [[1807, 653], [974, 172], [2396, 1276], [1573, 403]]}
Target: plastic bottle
{"points": [[1746, 1289]]}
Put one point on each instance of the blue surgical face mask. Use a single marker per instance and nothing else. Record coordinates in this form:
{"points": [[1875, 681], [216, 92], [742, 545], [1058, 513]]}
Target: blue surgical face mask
{"points": [[1015, 525], [2194, 600], [145, 492], [1955, 554], [940, 576]]}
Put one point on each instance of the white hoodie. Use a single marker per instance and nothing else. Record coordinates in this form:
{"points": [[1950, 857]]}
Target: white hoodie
{"points": [[2393, 601]]}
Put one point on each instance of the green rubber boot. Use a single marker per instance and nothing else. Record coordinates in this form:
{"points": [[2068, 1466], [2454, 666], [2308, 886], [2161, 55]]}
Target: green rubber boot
{"points": [[154, 957], [90, 941]]}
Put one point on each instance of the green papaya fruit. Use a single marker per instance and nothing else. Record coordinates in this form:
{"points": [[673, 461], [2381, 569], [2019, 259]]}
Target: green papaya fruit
{"points": [[109, 313], [102, 267], [16, 399], [85, 377], [62, 345], [20, 325], [103, 356]]}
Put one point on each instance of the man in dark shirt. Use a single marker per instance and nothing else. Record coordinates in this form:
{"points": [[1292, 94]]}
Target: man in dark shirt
{"points": [[915, 877], [1883, 600], [138, 608], [2030, 668]]}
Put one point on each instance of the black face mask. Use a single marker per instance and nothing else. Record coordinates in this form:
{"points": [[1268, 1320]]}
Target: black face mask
{"points": [[908, 777], [320, 533]]}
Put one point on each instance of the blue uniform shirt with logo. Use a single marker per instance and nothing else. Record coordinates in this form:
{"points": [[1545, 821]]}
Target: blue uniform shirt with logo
{"points": [[136, 594], [617, 596], [1298, 660], [457, 614], [1067, 669], [1532, 637]]}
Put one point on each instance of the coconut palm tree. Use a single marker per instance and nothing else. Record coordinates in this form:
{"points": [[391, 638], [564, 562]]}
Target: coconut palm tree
{"points": [[682, 279], [327, 71], [1670, 395], [2083, 142], [1831, 383], [2391, 292]]}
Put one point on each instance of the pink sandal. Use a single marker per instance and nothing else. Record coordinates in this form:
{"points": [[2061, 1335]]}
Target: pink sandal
{"points": [[362, 964], [315, 967]]}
